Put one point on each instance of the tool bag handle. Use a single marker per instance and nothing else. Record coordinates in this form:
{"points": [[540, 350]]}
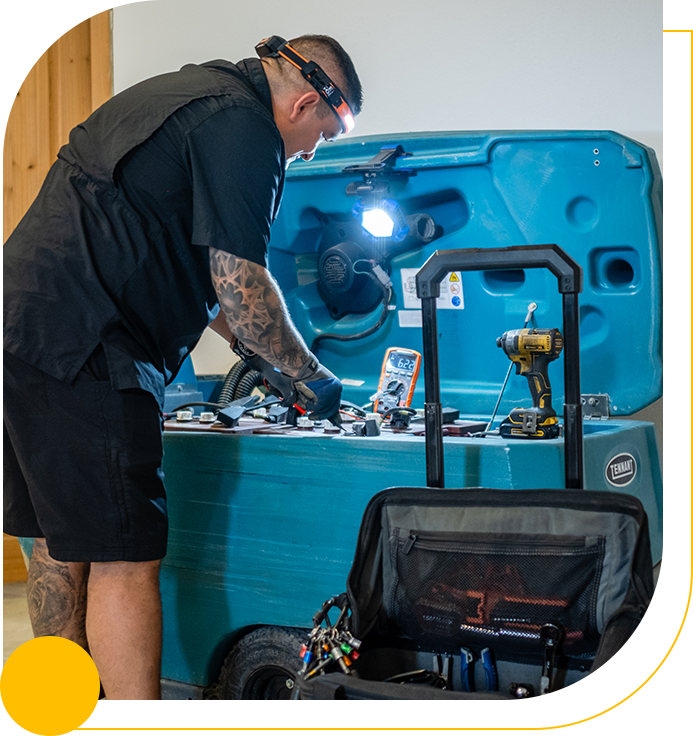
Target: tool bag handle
{"points": [[569, 275]]}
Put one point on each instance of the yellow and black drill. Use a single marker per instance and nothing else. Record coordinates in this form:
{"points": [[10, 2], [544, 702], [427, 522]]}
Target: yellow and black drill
{"points": [[531, 350]]}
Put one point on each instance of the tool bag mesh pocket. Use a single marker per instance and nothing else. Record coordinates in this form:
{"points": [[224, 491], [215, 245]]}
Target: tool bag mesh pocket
{"points": [[451, 589]]}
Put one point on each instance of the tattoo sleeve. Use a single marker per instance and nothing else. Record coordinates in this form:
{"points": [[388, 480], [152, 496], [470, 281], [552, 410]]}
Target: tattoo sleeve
{"points": [[255, 311]]}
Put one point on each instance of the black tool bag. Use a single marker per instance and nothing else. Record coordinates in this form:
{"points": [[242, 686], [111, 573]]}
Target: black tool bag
{"points": [[439, 570], [487, 593]]}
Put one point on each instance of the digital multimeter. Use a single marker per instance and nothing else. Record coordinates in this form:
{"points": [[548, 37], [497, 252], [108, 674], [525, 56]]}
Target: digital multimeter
{"points": [[397, 379]]}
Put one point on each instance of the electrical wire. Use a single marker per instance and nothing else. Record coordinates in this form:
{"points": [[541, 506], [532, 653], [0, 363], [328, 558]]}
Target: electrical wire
{"points": [[387, 298]]}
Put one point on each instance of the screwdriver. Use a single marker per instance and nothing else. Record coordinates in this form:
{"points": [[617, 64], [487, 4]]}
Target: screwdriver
{"points": [[550, 636], [530, 311]]}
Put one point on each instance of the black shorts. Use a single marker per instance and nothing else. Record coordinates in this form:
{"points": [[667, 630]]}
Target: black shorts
{"points": [[82, 465]]}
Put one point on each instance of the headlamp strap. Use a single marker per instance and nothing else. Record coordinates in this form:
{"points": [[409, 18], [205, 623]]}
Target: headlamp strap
{"points": [[276, 46]]}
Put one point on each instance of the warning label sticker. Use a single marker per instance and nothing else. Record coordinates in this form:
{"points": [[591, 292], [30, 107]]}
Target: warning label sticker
{"points": [[451, 296]]}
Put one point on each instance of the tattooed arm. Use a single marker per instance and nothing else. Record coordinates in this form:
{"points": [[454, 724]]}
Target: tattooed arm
{"points": [[254, 309]]}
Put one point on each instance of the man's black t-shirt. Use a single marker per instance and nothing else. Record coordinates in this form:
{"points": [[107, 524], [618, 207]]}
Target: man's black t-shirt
{"points": [[114, 250]]}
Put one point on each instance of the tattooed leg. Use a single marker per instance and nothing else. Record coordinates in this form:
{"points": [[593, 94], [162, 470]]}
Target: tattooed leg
{"points": [[57, 596], [255, 311]]}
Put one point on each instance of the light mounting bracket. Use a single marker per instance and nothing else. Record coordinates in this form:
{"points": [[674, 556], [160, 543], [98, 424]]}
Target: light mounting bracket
{"points": [[378, 173]]}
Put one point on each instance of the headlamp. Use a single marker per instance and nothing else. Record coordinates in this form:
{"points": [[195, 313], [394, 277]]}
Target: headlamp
{"points": [[275, 46]]}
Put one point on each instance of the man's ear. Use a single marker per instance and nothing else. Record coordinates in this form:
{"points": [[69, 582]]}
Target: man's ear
{"points": [[303, 105]]}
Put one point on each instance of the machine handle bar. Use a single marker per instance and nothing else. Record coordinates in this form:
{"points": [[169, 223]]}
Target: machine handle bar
{"points": [[442, 262], [569, 275]]}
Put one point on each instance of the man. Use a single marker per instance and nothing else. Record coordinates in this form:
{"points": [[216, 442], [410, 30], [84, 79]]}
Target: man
{"points": [[152, 224]]}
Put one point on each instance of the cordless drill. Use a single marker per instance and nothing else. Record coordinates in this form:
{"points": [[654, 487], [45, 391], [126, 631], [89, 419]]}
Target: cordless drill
{"points": [[531, 350]]}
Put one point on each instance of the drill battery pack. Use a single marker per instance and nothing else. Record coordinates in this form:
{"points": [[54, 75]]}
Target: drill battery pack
{"points": [[527, 424]]}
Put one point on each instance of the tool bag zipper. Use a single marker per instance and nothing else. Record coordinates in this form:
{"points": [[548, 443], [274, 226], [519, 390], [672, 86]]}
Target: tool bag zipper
{"points": [[477, 542]]}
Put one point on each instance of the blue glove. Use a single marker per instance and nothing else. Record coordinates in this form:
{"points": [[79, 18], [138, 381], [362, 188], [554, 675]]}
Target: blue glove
{"points": [[315, 389], [319, 390]]}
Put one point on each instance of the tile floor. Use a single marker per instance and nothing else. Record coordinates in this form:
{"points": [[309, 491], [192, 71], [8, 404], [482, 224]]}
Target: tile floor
{"points": [[15, 616]]}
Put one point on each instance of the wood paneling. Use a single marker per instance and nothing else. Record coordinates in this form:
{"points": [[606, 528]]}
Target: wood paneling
{"points": [[70, 80], [101, 58], [13, 565]]}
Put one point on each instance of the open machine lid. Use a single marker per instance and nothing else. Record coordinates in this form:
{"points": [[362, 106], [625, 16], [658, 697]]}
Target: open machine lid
{"points": [[596, 194]]}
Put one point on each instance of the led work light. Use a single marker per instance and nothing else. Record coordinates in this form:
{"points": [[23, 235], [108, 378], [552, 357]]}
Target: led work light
{"points": [[378, 223], [354, 252], [379, 214], [382, 218], [276, 46]]}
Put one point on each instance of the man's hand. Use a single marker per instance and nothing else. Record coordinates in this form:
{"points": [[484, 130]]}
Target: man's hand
{"points": [[320, 391], [281, 384], [315, 388]]}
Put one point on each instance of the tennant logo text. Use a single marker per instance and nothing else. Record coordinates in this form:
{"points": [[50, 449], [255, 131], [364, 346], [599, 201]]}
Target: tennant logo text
{"points": [[621, 469]]}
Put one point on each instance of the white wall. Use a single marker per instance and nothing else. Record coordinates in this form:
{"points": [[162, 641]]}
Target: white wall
{"points": [[432, 64], [437, 64]]}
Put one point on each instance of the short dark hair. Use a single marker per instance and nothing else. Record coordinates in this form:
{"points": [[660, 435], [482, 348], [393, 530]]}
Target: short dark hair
{"points": [[327, 52]]}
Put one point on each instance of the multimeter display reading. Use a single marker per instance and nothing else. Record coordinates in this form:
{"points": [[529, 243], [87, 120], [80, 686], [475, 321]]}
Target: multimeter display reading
{"points": [[397, 379], [403, 362]]}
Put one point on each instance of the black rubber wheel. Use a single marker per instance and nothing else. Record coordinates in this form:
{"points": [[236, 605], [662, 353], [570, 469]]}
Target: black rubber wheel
{"points": [[263, 665]]}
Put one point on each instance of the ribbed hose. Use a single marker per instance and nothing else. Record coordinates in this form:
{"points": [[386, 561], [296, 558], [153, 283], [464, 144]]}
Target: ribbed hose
{"points": [[250, 381], [233, 378]]}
